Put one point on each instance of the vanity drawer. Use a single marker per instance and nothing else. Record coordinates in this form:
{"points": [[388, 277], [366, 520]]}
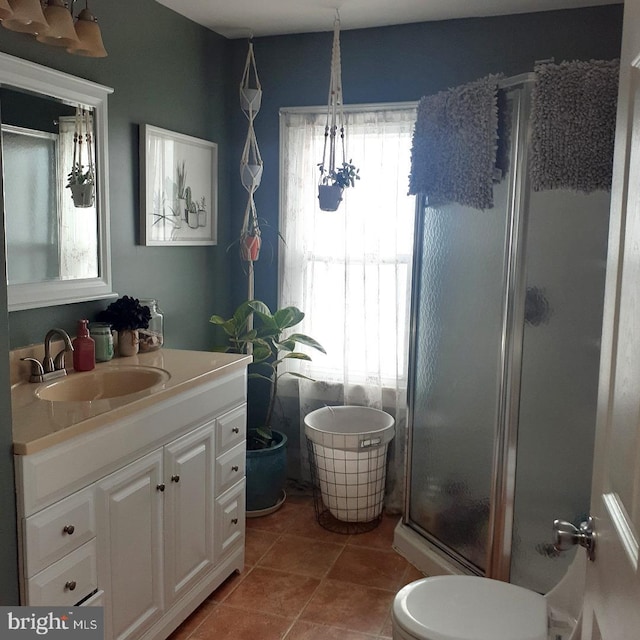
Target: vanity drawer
{"points": [[231, 429], [230, 468], [230, 520], [96, 600], [59, 529], [67, 581]]}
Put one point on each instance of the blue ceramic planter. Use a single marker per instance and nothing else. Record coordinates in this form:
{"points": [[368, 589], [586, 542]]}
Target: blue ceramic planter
{"points": [[267, 474]]}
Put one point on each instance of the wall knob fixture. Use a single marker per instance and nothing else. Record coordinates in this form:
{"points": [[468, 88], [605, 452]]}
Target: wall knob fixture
{"points": [[566, 534], [69, 529]]}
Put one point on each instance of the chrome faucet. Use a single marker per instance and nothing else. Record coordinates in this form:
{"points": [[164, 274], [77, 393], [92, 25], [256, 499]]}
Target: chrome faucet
{"points": [[50, 368], [57, 364]]}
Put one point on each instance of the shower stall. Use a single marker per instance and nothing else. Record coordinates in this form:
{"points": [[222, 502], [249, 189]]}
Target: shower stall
{"points": [[506, 321]]}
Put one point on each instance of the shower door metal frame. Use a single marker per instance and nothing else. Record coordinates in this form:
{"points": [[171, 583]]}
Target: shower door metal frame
{"points": [[506, 436], [500, 529]]}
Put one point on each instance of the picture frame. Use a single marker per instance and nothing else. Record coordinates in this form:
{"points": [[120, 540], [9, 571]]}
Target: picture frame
{"points": [[178, 189]]}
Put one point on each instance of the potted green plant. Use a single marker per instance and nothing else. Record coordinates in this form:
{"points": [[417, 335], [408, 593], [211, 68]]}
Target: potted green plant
{"points": [[266, 447], [126, 315], [333, 183], [81, 181]]}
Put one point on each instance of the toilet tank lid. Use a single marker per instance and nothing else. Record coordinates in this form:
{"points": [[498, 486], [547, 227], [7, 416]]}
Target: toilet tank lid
{"points": [[470, 608]]}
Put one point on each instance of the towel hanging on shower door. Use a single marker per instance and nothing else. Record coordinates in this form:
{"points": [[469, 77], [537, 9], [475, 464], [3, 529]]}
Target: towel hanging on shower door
{"points": [[573, 125], [455, 143]]}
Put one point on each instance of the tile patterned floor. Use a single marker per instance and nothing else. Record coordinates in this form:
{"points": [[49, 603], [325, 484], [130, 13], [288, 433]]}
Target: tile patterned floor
{"points": [[302, 582]]}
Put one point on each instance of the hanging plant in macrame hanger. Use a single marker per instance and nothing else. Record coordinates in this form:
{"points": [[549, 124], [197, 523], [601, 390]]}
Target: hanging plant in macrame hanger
{"points": [[336, 174], [251, 163], [81, 178]]}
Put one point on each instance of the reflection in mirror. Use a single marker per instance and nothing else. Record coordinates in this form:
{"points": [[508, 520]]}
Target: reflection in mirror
{"points": [[57, 243], [48, 237]]}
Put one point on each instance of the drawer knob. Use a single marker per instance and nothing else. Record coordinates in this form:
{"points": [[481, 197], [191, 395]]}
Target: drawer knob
{"points": [[69, 529], [70, 585], [234, 521], [175, 478], [160, 487], [235, 467], [236, 430]]}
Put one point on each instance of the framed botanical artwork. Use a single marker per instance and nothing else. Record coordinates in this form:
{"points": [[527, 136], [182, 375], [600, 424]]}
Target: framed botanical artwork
{"points": [[178, 189]]}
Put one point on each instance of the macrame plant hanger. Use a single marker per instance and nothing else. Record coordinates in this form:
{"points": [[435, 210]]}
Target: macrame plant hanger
{"points": [[251, 166], [328, 193], [82, 182]]}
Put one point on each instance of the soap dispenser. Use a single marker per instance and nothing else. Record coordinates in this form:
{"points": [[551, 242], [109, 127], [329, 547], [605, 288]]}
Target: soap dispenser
{"points": [[84, 348]]}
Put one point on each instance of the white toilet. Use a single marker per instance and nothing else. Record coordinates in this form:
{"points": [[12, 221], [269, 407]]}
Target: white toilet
{"points": [[473, 608]]}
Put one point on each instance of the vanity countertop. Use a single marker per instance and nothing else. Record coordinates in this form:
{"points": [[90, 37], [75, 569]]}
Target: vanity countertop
{"points": [[38, 424]]}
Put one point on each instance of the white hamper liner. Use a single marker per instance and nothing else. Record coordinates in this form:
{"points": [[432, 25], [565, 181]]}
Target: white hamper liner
{"points": [[349, 447]]}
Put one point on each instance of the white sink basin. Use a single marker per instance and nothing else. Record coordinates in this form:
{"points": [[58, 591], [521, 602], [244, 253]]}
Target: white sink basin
{"points": [[102, 384]]}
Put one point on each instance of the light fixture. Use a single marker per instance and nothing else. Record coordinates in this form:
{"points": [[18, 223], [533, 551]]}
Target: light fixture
{"points": [[61, 32], [27, 17], [54, 25], [89, 37], [5, 9]]}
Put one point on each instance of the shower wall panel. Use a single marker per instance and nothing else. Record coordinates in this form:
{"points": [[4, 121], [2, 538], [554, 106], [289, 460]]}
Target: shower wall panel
{"points": [[566, 251]]}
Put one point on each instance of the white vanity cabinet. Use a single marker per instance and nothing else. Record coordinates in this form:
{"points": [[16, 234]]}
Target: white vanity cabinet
{"points": [[157, 519], [144, 516], [129, 509]]}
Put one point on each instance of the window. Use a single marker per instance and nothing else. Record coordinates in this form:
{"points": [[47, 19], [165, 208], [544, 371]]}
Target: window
{"points": [[350, 271]]}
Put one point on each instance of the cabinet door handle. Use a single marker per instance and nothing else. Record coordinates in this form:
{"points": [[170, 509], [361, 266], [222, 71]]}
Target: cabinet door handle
{"points": [[234, 521], [235, 467], [236, 430], [175, 478], [160, 487], [69, 528], [70, 585]]}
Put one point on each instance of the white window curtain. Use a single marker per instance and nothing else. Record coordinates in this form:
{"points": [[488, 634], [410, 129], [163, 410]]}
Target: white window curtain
{"points": [[350, 271]]}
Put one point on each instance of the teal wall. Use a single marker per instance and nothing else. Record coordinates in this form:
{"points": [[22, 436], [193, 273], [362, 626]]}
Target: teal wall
{"points": [[167, 71], [171, 73], [8, 542]]}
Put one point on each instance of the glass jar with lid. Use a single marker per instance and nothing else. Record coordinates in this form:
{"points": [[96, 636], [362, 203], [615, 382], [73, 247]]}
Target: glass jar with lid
{"points": [[103, 338], [152, 338]]}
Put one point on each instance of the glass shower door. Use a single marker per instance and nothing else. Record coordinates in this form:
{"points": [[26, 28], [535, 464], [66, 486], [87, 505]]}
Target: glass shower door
{"points": [[454, 407], [461, 279]]}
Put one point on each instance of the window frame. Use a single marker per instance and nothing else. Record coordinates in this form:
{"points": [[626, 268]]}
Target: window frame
{"points": [[404, 258]]}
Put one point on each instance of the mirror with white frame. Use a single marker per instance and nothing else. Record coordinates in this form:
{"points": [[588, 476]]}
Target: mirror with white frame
{"points": [[57, 244]]}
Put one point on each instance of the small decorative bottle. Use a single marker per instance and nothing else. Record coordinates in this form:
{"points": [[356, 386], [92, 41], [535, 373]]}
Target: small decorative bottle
{"points": [[152, 338], [84, 348], [102, 336]]}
